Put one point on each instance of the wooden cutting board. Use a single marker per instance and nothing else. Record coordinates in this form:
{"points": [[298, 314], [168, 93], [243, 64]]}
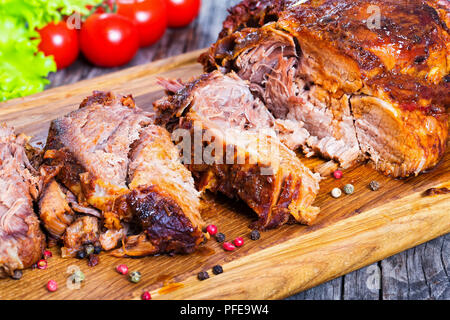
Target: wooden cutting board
{"points": [[352, 232]]}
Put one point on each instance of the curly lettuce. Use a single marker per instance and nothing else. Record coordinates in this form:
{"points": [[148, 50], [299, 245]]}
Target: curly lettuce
{"points": [[23, 68]]}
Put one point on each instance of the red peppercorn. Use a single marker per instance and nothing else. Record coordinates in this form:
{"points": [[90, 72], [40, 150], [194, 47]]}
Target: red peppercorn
{"points": [[47, 254], [52, 286], [337, 174], [122, 269], [212, 229], [42, 264], [146, 296], [238, 242], [228, 246]]}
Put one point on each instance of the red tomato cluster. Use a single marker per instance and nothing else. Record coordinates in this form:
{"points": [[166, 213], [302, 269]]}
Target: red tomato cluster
{"points": [[111, 37]]}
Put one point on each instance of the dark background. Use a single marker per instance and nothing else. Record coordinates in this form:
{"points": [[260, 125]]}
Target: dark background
{"points": [[419, 273]]}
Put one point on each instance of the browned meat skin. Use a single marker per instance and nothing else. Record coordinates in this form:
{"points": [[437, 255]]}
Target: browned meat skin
{"points": [[394, 79], [123, 170], [225, 107], [21, 240]]}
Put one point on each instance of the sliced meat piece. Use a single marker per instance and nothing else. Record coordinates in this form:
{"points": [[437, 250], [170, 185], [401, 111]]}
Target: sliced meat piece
{"points": [[325, 65], [123, 169], [85, 230], [21, 240], [246, 158]]}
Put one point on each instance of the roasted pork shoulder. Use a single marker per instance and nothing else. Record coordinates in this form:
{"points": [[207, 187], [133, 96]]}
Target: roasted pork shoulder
{"points": [[365, 79], [21, 240], [110, 166], [241, 155]]}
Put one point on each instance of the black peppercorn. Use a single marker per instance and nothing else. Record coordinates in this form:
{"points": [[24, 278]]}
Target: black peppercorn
{"points": [[255, 235], [203, 275], [81, 254], [217, 269], [220, 237]]}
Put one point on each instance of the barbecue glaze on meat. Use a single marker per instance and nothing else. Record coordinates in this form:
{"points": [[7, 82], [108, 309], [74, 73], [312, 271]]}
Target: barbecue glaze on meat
{"points": [[21, 240], [358, 89], [248, 161], [120, 170]]}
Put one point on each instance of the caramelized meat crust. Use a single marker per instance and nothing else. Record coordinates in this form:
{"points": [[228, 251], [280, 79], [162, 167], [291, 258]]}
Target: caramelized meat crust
{"points": [[120, 170]]}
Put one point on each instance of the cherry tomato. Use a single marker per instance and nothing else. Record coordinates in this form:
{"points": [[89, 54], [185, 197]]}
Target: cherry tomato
{"points": [[59, 41], [182, 12], [150, 17], [109, 39]]}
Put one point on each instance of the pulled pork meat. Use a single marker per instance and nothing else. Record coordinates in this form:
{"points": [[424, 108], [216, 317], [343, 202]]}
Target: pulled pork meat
{"points": [[360, 90], [247, 159], [108, 168], [21, 240]]}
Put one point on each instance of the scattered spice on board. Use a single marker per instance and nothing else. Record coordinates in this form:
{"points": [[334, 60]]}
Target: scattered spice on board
{"points": [[349, 189], [17, 275], [122, 269], [228, 246], [47, 254], [203, 275], [374, 185], [93, 260], [97, 249], [78, 276], [89, 249], [217, 269], [255, 235], [238, 242], [42, 264], [436, 191], [337, 174], [211, 229], [220, 237]]}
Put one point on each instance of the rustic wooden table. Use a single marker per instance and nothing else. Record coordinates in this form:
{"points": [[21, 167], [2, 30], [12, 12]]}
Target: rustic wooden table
{"points": [[419, 273]]}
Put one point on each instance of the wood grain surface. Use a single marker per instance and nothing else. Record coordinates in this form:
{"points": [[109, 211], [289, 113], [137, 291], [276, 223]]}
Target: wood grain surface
{"points": [[421, 272]]}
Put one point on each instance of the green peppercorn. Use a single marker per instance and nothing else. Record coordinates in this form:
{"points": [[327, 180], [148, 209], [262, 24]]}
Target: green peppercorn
{"points": [[135, 276], [78, 276], [349, 189], [220, 237]]}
